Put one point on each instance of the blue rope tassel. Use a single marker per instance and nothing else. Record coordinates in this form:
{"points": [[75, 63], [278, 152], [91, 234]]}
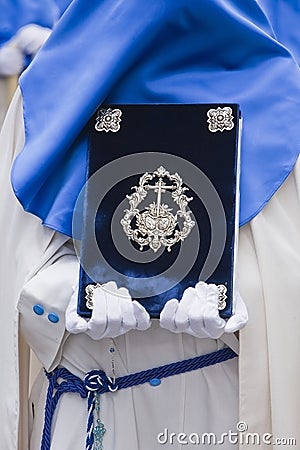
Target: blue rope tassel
{"points": [[96, 381], [90, 423], [70, 383]]}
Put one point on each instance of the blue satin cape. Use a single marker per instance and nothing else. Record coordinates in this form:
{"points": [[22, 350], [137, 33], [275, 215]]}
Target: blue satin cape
{"points": [[155, 51]]}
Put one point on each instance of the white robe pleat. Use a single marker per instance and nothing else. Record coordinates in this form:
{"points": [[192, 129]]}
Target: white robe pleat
{"points": [[269, 268]]}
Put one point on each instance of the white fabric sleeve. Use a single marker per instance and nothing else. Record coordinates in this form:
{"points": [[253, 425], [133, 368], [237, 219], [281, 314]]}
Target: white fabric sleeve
{"points": [[42, 304]]}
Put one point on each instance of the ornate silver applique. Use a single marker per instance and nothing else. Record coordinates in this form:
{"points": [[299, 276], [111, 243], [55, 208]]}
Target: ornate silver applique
{"points": [[108, 120], [156, 226], [89, 290], [222, 296], [220, 119]]}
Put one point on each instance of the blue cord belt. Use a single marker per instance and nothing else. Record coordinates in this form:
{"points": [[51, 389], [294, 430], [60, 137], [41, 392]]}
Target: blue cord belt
{"points": [[96, 382]]}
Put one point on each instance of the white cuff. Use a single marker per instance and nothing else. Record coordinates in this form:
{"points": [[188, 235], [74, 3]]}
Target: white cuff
{"points": [[42, 306]]}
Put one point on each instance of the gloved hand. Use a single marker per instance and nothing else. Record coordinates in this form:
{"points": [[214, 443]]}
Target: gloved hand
{"points": [[27, 41], [30, 38], [11, 60], [114, 313], [197, 313]]}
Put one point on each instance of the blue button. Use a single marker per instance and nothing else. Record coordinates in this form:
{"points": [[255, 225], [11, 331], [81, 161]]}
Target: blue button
{"points": [[38, 309], [155, 382], [53, 317]]}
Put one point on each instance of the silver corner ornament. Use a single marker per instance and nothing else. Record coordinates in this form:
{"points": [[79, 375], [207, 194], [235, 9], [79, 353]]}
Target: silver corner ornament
{"points": [[89, 290], [108, 120], [156, 225], [220, 119], [222, 289]]}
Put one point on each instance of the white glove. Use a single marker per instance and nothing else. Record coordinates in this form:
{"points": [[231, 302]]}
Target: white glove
{"points": [[197, 313], [30, 38], [11, 60], [114, 313], [27, 41]]}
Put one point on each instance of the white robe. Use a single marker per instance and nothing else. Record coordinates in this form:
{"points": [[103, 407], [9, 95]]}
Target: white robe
{"points": [[198, 402]]}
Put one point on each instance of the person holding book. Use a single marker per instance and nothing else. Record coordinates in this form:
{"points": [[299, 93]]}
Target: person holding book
{"points": [[155, 52]]}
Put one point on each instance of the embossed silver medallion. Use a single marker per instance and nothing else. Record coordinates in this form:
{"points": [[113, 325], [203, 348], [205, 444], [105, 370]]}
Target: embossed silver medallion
{"points": [[156, 225]]}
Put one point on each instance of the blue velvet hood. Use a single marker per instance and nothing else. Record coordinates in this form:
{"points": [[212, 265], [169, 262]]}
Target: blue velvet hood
{"points": [[155, 51]]}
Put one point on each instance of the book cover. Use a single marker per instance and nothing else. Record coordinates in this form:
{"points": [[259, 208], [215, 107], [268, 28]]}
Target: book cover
{"points": [[160, 208]]}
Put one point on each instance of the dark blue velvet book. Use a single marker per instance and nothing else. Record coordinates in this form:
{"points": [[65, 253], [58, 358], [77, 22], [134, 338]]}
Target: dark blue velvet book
{"points": [[160, 206]]}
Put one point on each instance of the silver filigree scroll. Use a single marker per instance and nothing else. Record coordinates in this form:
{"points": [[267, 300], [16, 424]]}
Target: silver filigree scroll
{"points": [[89, 290], [157, 226], [220, 119], [222, 296], [108, 120]]}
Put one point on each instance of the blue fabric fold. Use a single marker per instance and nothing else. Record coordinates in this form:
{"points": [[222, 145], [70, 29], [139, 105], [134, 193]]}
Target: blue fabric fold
{"points": [[284, 17], [155, 51]]}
